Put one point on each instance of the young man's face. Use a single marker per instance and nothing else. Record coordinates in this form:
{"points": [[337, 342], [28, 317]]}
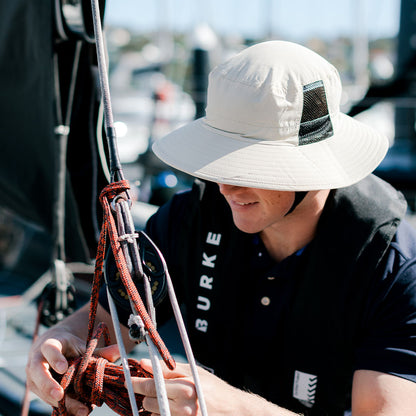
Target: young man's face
{"points": [[255, 210]]}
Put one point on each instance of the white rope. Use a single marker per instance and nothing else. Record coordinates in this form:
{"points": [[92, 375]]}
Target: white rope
{"points": [[186, 345], [162, 397], [184, 336], [123, 355], [128, 237], [125, 227]]}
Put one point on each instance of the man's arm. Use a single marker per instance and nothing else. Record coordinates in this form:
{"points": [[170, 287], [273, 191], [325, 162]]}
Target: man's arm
{"points": [[381, 394], [221, 398]]}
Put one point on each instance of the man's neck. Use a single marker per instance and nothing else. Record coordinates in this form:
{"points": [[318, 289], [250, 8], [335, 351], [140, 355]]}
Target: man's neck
{"points": [[297, 229]]}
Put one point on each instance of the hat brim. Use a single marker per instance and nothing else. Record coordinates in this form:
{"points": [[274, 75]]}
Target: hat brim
{"points": [[353, 152]]}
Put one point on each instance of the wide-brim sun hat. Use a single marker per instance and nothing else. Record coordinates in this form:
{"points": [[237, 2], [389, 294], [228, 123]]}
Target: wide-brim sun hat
{"points": [[273, 121]]}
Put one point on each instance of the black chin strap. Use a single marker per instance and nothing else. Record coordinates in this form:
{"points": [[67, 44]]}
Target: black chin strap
{"points": [[298, 199]]}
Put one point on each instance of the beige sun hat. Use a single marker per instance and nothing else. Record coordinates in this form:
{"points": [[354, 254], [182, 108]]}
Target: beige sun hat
{"points": [[273, 122]]}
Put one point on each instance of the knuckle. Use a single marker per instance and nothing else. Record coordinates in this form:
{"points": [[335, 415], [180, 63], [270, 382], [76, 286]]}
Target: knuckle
{"points": [[51, 344], [145, 403], [189, 410], [188, 392], [150, 404], [149, 388], [44, 349], [187, 399]]}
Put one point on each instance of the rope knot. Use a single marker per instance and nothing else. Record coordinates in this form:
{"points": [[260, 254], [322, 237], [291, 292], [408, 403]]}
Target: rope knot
{"points": [[128, 237], [109, 229], [113, 189], [94, 380]]}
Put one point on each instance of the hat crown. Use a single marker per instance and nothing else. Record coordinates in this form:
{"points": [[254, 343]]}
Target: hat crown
{"points": [[273, 122], [259, 93]]}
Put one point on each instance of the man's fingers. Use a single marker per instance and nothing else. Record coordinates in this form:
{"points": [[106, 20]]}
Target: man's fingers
{"points": [[41, 382], [76, 408], [151, 405], [144, 386], [179, 371], [110, 353], [180, 392], [47, 389], [52, 351], [178, 388]]}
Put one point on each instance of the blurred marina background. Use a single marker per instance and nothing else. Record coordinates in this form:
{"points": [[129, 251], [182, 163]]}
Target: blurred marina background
{"points": [[160, 54]]}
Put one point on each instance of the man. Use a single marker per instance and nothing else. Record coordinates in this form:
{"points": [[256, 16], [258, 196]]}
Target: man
{"points": [[293, 262]]}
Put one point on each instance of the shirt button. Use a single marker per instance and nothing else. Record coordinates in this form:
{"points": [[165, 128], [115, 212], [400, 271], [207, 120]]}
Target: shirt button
{"points": [[265, 301]]}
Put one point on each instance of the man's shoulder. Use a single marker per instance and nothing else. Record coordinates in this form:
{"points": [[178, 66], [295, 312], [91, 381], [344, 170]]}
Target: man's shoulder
{"points": [[375, 196], [404, 241]]}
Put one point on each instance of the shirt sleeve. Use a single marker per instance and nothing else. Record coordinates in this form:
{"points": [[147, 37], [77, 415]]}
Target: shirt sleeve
{"points": [[388, 340]]}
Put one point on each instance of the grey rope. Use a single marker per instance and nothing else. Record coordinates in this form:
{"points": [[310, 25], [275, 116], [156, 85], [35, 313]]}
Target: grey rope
{"points": [[126, 227], [184, 336], [123, 354]]}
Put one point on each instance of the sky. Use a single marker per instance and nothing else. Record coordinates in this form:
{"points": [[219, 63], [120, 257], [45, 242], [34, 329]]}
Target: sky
{"points": [[289, 19]]}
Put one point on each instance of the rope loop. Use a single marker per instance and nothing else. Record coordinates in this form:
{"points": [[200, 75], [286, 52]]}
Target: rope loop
{"points": [[94, 380], [109, 228], [114, 189]]}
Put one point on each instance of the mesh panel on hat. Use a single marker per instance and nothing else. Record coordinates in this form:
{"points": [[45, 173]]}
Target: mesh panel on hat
{"points": [[315, 124]]}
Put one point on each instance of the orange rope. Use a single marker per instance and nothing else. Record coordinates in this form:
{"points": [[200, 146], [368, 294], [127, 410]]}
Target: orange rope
{"points": [[94, 380], [91, 379]]}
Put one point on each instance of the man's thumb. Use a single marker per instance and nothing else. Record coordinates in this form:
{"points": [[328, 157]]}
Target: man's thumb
{"points": [[168, 374], [110, 353]]}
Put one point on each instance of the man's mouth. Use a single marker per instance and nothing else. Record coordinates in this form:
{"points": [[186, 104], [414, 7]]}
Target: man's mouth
{"points": [[242, 204]]}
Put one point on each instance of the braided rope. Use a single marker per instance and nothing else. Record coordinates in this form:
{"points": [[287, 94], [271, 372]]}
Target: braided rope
{"points": [[95, 380], [109, 193]]}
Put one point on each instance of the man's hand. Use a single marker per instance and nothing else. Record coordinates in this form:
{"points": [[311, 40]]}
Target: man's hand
{"points": [[181, 391], [51, 351], [220, 397]]}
